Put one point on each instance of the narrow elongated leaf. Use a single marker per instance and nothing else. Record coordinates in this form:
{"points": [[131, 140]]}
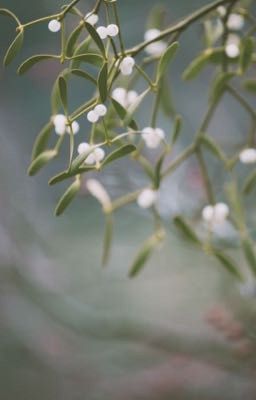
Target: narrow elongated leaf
{"points": [[176, 129], [42, 140], [213, 147], [121, 112], [95, 37], [82, 48], [103, 82], [119, 153], [166, 101], [63, 93], [83, 74], [14, 48], [71, 42], [143, 255], [94, 59], [165, 60], [250, 183], [249, 254], [67, 197], [196, 66], [134, 107], [158, 170], [30, 62], [219, 85], [246, 54], [250, 85], [62, 176], [108, 236], [41, 160], [229, 264], [186, 230], [55, 95]]}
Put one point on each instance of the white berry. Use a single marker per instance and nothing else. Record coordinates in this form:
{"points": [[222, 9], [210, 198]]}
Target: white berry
{"points": [[92, 19], [100, 110], [112, 30], [147, 198], [102, 32], [92, 116], [248, 156], [54, 25]]}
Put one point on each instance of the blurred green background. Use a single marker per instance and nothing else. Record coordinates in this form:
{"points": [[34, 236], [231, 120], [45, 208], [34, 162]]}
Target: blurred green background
{"points": [[72, 330]]}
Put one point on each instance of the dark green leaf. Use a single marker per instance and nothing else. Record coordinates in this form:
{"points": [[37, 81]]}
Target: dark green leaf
{"points": [[67, 197], [41, 160], [14, 48], [82, 48], [196, 66], [121, 111], [228, 264], [63, 93], [71, 42], [250, 182], [247, 47], [62, 176], [219, 84], [158, 170], [95, 37], [42, 140], [83, 74], [165, 95], [103, 82], [143, 255], [176, 129], [55, 95], [94, 59], [166, 59], [30, 62], [186, 230], [119, 153], [249, 254], [250, 85]]}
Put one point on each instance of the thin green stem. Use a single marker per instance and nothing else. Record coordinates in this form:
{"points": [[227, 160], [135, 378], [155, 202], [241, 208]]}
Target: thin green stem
{"points": [[179, 160]]}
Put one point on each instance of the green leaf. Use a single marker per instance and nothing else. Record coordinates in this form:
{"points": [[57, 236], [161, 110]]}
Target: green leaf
{"points": [[95, 37], [186, 230], [83, 74], [42, 140], [7, 13], [250, 182], [156, 17], [67, 197], [213, 147], [103, 82], [94, 59], [143, 255], [63, 93], [71, 42], [119, 153], [250, 85], [108, 236], [82, 48], [228, 264], [62, 176], [245, 60], [30, 62], [165, 60], [249, 254], [219, 85], [165, 95], [55, 95], [158, 170], [121, 112], [176, 129], [196, 66], [40, 161], [134, 106], [14, 48]]}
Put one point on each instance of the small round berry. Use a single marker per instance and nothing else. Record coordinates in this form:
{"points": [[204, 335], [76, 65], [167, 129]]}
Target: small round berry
{"points": [[83, 148], [235, 22], [99, 154], [100, 110], [126, 70], [75, 128], [119, 94], [221, 212], [102, 32], [221, 11], [128, 62], [131, 97], [151, 34], [112, 30], [147, 198], [232, 50], [248, 156], [92, 19], [208, 213], [59, 122], [54, 25], [92, 116]]}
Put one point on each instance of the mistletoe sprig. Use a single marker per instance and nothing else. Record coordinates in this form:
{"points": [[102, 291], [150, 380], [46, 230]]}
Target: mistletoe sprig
{"points": [[229, 44]]}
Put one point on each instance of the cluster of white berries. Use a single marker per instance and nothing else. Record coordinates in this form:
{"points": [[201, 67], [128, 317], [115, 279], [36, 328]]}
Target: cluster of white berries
{"points": [[99, 111], [248, 156], [147, 198], [91, 18], [54, 25], [155, 48], [95, 154], [124, 97], [215, 214], [232, 48], [152, 136], [60, 125], [111, 30], [126, 65]]}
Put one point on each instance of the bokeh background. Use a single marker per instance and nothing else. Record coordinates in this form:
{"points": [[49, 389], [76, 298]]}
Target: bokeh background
{"points": [[72, 330]]}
